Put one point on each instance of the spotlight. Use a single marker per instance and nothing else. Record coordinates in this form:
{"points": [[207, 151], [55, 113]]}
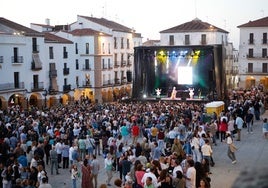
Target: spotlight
{"points": [[144, 96]]}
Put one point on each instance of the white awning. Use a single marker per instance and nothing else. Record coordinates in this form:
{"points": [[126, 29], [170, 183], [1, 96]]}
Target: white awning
{"points": [[37, 61]]}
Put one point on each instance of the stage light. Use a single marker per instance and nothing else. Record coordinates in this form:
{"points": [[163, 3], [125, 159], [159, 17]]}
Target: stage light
{"points": [[144, 96]]}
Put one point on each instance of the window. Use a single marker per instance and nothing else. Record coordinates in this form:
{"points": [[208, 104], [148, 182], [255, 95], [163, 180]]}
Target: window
{"points": [[251, 38], [35, 81], [65, 81], [76, 64], [76, 48], [115, 59], [51, 54], [65, 53], [15, 52], [250, 67], [16, 79], [77, 81], [264, 53], [127, 43], [87, 48], [115, 43], [203, 39], [103, 48], [109, 48], [122, 59], [122, 43], [250, 53], [87, 67], [264, 67], [187, 39], [171, 40], [34, 43], [264, 38], [103, 64], [65, 65], [109, 63]]}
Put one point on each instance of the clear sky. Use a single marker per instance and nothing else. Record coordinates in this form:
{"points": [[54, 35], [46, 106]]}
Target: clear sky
{"points": [[147, 17]]}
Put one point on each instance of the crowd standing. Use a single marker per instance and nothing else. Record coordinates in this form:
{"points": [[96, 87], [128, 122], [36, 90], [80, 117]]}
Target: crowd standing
{"points": [[150, 145]]}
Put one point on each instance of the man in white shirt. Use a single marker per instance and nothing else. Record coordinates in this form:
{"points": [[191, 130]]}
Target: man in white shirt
{"points": [[239, 123], [58, 148], [190, 175], [176, 168], [149, 173]]}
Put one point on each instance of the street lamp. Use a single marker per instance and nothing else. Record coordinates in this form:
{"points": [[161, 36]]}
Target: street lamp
{"points": [[45, 95]]}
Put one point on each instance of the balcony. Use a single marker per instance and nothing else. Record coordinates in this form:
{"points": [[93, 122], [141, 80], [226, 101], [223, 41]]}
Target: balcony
{"points": [[66, 88], [256, 71], [17, 60], [231, 72], [104, 67], [34, 66], [116, 81], [123, 63], [86, 84], [35, 48], [264, 41], [116, 64], [203, 42], [86, 68], [11, 86], [65, 55], [66, 71], [53, 73], [129, 63], [37, 86], [251, 41], [107, 83], [257, 56]]}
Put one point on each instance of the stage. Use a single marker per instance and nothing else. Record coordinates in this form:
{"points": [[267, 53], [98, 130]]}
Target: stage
{"points": [[177, 99]]}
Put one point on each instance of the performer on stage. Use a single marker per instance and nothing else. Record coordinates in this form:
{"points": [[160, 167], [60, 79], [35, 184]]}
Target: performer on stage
{"points": [[191, 93], [158, 92], [174, 93]]}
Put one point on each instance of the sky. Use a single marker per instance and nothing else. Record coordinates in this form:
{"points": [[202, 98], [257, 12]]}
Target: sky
{"points": [[147, 17]]}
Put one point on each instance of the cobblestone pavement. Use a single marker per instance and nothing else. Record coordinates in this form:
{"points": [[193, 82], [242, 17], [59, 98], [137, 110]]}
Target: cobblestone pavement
{"points": [[251, 155]]}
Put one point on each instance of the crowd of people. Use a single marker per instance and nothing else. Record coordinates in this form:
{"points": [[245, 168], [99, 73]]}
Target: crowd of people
{"points": [[150, 144]]}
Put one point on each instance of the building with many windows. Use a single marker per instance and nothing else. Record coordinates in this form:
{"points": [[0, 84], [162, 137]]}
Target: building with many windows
{"points": [[91, 59], [191, 55], [253, 57]]}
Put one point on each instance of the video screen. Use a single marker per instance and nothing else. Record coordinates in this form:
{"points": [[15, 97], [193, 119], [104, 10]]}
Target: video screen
{"points": [[183, 69]]}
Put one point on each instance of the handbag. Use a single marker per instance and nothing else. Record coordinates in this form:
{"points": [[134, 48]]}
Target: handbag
{"points": [[233, 148]]}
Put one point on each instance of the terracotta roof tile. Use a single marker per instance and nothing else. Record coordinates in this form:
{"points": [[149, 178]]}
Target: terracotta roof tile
{"points": [[110, 24], [195, 25], [86, 32], [9, 27], [56, 39], [263, 22]]}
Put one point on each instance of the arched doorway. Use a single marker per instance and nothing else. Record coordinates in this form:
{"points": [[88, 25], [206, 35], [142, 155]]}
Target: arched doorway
{"points": [[250, 82]]}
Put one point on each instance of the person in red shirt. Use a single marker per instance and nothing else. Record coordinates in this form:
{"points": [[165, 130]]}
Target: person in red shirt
{"points": [[223, 128], [135, 133]]}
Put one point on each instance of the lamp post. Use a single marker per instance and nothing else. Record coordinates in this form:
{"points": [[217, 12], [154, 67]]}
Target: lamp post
{"points": [[45, 95]]}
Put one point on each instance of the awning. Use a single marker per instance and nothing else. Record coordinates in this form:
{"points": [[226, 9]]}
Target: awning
{"points": [[37, 61]]}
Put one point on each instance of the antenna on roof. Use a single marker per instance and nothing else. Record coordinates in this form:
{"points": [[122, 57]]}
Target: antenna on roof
{"points": [[195, 8]]}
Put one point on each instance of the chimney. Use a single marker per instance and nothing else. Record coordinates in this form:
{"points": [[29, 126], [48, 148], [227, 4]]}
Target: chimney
{"points": [[47, 21]]}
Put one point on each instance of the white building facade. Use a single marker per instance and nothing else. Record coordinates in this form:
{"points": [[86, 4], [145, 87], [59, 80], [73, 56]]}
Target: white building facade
{"points": [[253, 56]]}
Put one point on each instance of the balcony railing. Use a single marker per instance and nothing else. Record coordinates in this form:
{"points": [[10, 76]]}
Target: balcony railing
{"points": [[116, 64], [86, 68], [66, 71], [10, 86], [257, 56], [53, 73], [38, 86], [17, 59], [86, 83], [257, 72], [65, 55], [35, 67], [123, 63], [35, 48], [66, 88], [107, 83], [251, 41]]}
